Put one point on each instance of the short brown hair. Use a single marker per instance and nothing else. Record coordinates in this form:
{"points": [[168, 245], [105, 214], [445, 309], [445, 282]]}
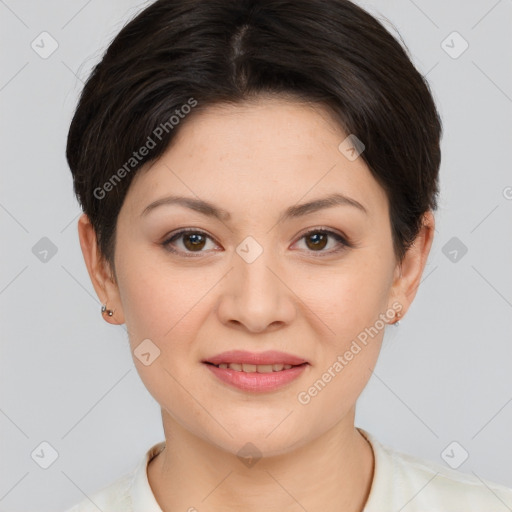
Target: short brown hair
{"points": [[332, 52]]}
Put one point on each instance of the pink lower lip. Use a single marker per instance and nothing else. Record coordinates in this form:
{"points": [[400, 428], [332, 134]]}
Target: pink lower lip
{"points": [[257, 381]]}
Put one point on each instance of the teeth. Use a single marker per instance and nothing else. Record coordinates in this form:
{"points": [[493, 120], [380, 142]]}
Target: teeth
{"points": [[252, 368]]}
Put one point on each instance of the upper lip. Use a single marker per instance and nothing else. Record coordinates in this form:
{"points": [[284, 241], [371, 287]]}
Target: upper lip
{"points": [[242, 356]]}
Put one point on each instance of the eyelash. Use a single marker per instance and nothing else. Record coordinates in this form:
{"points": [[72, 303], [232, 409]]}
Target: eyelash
{"points": [[344, 243]]}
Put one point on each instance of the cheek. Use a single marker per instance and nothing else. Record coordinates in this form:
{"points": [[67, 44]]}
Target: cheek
{"points": [[163, 307], [351, 297], [168, 306], [350, 303], [156, 300]]}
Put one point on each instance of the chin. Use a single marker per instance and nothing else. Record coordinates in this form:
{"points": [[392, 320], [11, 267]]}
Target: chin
{"points": [[250, 442]]}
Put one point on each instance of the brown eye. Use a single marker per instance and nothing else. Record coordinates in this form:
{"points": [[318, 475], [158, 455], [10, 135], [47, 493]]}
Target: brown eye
{"points": [[192, 241], [318, 240]]}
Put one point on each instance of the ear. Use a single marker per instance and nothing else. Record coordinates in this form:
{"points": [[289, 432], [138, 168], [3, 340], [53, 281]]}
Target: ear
{"points": [[408, 275], [100, 272]]}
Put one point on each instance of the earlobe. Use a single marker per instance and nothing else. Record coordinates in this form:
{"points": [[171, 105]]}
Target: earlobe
{"points": [[99, 272], [408, 274]]}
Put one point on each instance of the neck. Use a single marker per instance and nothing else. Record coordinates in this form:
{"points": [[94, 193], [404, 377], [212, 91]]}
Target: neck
{"points": [[334, 472]]}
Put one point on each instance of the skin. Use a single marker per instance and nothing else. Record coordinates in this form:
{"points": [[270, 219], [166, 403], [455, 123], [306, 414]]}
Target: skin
{"points": [[255, 160]]}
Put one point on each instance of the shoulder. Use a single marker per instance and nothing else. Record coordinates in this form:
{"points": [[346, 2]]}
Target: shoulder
{"points": [[128, 493], [414, 484], [115, 496], [437, 485]]}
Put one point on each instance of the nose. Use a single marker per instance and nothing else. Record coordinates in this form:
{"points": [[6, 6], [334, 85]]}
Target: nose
{"points": [[256, 295]]}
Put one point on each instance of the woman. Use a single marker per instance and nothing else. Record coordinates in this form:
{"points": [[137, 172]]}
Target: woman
{"points": [[258, 180]]}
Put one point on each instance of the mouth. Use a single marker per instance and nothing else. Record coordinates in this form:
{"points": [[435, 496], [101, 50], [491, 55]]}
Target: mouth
{"points": [[256, 368], [255, 362], [256, 371]]}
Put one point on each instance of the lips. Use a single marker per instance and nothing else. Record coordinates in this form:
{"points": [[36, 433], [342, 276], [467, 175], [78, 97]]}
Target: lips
{"points": [[256, 371], [241, 357], [256, 378], [252, 368]]}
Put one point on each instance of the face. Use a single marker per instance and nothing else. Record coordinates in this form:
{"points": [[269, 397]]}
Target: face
{"points": [[261, 274]]}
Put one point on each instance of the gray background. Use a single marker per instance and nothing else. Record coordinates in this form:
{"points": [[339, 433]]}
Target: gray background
{"points": [[67, 377]]}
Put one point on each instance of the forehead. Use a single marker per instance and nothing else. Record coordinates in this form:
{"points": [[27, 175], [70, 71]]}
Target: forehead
{"points": [[266, 150], [263, 127]]}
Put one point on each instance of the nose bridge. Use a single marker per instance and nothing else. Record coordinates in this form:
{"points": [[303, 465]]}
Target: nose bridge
{"points": [[255, 295], [255, 280]]}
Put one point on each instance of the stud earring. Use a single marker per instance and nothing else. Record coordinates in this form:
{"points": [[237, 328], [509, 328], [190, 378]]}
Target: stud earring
{"points": [[104, 310], [397, 323]]}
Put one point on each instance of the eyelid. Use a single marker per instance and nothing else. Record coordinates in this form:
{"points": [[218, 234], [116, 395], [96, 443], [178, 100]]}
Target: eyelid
{"points": [[324, 229], [341, 239], [166, 244]]}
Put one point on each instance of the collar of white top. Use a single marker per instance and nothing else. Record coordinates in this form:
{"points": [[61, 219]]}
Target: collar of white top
{"points": [[142, 496]]}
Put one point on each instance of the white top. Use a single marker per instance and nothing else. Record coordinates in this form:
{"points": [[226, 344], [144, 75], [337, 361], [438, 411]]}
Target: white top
{"points": [[401, 482]]}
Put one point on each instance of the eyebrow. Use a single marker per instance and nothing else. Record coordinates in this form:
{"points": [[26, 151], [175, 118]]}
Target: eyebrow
{"points": [[295, 211]]}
